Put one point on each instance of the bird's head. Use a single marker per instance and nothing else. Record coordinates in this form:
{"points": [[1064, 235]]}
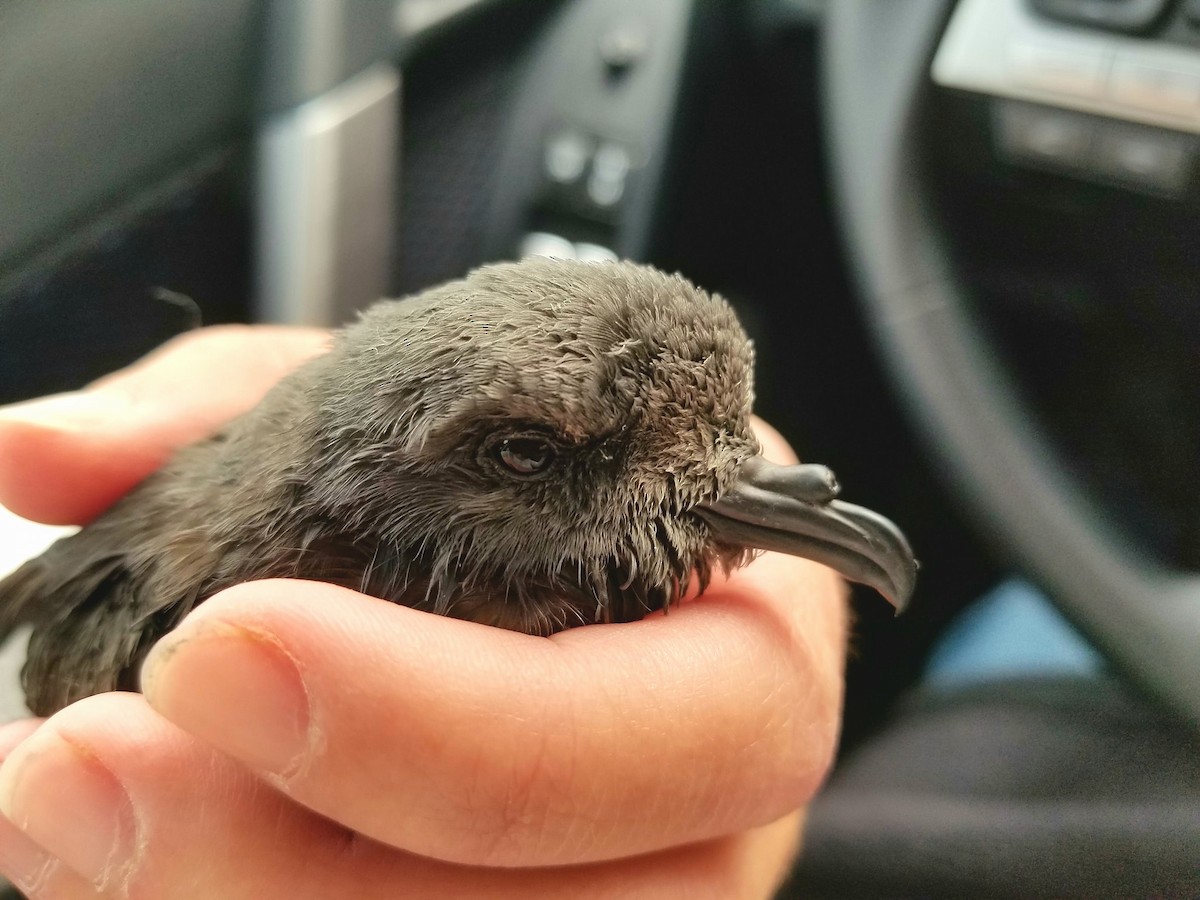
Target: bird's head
{"points": [[553, 443]]}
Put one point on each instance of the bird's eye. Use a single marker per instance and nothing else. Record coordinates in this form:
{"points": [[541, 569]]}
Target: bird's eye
{"points": [[524, 456]]}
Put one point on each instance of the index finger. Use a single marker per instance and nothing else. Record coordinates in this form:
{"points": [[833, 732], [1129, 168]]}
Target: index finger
{"points": [[476, 745], [64, 459]]}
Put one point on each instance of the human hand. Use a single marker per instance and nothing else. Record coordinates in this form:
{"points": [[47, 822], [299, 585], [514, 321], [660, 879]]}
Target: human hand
{"points": [[300, 740]]}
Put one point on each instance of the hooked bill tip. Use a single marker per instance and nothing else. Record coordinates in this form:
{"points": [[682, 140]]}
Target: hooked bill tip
{"points": [[794, 510]]}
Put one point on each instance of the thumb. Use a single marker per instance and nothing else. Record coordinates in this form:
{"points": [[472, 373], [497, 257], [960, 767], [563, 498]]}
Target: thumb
{"points": [[64, 459]]}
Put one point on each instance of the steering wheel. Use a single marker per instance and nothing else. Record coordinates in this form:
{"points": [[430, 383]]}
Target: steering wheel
{"points": [[1143, 616]]}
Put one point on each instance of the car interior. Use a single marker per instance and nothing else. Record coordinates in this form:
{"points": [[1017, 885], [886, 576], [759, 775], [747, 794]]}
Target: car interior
{"points": [[963, 236]]}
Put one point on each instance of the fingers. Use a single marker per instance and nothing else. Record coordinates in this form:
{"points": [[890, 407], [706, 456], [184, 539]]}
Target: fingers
{"points": [[31, 869], [504, 749], [67, 458], [135, 808], [122, 804], [774, 446]]}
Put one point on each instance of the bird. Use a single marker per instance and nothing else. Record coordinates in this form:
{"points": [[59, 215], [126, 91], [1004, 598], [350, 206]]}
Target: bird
{"points": [[540, 445]]}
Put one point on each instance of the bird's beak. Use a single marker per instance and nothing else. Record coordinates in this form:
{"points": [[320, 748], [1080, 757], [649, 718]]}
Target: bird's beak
{"points": [[792, 509]]}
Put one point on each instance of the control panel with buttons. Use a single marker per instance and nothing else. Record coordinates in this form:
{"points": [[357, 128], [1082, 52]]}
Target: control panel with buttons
{"points": [[1005, 48], [1109, 106], [589, 143], [586, 173], [1134, 156]]}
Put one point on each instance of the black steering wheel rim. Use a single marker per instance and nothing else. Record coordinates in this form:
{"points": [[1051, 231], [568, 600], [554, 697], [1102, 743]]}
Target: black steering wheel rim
{"points": [[1144, 617]]}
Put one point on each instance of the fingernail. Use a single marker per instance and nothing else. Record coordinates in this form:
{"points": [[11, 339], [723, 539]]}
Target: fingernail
{"points": [[66, 801], [238, 689], [22, 861], [76, 410]]}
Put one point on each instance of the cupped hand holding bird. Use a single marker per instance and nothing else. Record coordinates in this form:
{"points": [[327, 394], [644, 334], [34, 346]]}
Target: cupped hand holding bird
{"points": [[298, 739]]}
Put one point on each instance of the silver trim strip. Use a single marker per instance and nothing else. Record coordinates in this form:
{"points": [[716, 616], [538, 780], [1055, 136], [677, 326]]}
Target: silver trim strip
{"points": [[999, 47], [327, 181]]}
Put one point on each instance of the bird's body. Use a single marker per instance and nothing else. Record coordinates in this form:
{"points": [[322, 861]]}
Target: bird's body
{"points": [[529, 448]]}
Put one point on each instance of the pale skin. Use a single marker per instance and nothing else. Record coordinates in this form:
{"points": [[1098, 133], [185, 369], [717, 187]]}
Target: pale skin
{"points": [[296, 739]]}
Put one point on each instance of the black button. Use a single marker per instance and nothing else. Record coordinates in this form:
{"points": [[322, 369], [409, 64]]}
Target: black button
{"points": [[1145, 157], [1044, 136], [623, 45], [1133, 16]]}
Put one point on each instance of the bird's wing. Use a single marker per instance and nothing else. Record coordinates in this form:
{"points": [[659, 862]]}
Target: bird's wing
{"points": [[95, 606], [85, 645]]}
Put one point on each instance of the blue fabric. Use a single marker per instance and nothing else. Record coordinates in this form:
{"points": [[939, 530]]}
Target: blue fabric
{"points": [[1011, 631]]}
